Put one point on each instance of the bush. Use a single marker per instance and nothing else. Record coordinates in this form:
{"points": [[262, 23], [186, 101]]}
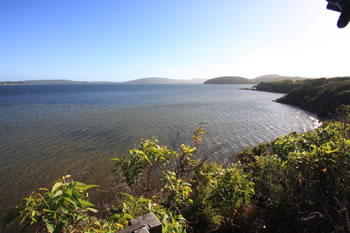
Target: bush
{"points": [[274, 187], [60, 209]]}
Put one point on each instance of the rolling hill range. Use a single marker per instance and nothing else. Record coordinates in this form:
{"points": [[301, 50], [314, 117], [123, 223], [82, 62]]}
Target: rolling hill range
{"points": [[52, 82], [241, 80], [156, 80], [159, 80], [275, 77]]}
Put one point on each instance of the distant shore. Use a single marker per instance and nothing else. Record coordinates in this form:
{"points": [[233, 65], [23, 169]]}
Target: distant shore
{"points": [[248, 89], [11, 83]]}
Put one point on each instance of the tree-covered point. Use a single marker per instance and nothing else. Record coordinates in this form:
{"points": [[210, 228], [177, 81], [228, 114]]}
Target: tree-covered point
{"points": [[284, 86], [322, 96]]}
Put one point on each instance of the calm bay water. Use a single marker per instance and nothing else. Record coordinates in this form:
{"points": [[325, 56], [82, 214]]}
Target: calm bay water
{"points": [[51, 130]]}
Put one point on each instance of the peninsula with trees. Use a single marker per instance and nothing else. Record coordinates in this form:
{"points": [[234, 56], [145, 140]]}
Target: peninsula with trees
{"points": [[322, 96]]}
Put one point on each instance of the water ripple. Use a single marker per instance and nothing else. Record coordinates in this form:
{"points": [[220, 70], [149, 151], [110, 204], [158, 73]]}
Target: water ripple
{"points": [[83, 130]]}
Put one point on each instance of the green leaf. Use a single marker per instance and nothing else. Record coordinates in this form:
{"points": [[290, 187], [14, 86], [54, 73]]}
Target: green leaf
{"points": [[43, 189], [80, 217], [143, 200], [70, 200], [85, 187], [50, 227], [69, 191], [50, 211], [116, 216], [58, 193], [147, 159], [92, 210], [85, 203], [129, 196], [56, 186], [79, 183], [128, 216]]}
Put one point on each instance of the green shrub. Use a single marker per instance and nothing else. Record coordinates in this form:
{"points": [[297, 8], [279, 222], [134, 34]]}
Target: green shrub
{"points": [[270, 188], [60, 209]]}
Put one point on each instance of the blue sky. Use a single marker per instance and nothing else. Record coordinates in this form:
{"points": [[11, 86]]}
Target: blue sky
{"points": [[118, 40]]}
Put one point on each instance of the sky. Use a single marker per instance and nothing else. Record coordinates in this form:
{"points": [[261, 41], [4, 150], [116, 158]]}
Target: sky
{"points": [[119, 40]]}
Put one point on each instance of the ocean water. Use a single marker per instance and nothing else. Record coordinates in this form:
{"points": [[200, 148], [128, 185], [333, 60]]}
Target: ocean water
{"points": [[48, 131]]}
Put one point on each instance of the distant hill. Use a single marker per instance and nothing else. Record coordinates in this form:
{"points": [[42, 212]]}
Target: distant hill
{"points": [[275, 77], [228, 80], [241, 80], [61, 81], [52, 82], [156, 80], [11, 83]]}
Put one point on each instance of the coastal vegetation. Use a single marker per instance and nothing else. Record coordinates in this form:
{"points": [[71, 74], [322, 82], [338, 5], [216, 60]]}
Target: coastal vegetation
{"points": [[321, 96], [296, 183]]}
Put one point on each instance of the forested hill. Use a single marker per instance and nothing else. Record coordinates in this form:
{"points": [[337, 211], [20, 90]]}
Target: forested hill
{"points": [[228, 80], [284, 86], [242, 80], [322, 96], [274, 78]]}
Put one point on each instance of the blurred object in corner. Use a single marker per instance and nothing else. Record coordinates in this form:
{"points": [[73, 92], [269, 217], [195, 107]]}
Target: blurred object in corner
{"points": [[342, 6]]}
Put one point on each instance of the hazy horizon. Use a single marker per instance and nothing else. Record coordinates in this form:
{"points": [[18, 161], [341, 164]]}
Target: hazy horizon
{"points": [[117, 41], [178, 79]]}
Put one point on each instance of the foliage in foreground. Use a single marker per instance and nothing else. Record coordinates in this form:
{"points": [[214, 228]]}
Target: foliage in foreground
{"points": [[296, 183], [62, 208]]}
